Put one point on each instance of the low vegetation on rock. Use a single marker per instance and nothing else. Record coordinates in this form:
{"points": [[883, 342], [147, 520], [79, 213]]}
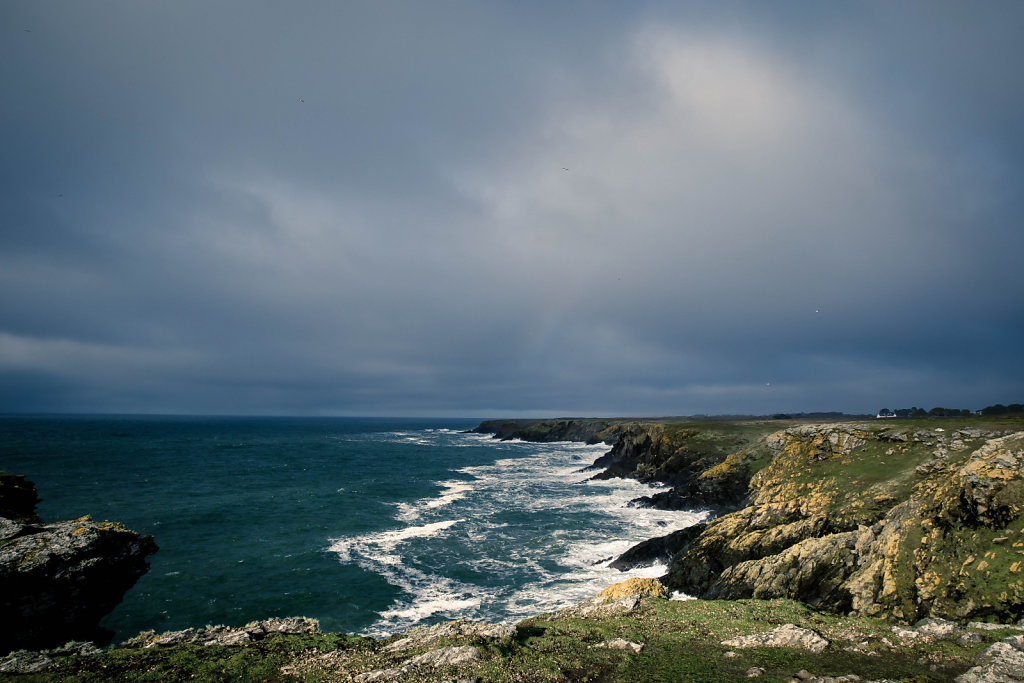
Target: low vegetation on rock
{"points": [[654, 640]]}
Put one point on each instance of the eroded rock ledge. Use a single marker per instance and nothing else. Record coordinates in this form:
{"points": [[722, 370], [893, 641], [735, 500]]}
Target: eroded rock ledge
{"points": [[58, 580]]}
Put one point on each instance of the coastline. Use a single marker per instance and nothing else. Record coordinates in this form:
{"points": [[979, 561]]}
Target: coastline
{"points": [[780, 470]]}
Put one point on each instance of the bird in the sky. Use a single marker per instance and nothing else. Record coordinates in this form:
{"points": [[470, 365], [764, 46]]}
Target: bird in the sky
{"points": [[301, 100], [564, 168]]}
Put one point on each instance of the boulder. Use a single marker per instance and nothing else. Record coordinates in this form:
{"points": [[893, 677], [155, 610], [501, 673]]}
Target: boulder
{"points": [[787, 635], [619, 598], [58, 580], [620, 644], [1001, 662]]}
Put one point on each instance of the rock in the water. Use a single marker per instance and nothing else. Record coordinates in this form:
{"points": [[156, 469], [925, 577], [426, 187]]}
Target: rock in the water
{"points": [[787, 635], [659, 549], [58, 580], [18, 499]]}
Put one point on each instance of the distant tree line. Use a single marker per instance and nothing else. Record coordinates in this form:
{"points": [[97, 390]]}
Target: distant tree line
{"points": [[997, 409], [1000, 409]]}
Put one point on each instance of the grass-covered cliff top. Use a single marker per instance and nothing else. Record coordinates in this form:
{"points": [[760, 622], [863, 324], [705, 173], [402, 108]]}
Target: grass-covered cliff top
{"points": [[659, 640]]}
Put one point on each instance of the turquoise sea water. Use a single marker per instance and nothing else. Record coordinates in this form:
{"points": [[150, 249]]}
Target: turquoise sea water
{"points": [[369, 525]]}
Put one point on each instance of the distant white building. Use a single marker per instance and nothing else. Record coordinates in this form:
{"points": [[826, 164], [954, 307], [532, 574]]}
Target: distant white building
{"points": [[885, 414]]}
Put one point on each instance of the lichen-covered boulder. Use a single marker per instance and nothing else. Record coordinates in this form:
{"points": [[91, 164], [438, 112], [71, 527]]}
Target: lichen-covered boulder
{"points": [[787, 635], [58, 580], [618, 598]]}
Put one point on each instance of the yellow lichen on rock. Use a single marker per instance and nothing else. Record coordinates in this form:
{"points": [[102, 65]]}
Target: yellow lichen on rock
{"points": [[635, 586]]}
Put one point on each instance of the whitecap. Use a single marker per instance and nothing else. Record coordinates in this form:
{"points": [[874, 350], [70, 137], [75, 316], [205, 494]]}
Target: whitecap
{"points": [[380, 546], [453, 491]]}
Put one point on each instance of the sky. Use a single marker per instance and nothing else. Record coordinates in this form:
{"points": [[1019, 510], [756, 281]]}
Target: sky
{"points": [[513, 208]]}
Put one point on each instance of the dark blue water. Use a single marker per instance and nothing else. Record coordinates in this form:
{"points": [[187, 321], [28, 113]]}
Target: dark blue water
{"points": [[370, 525]]}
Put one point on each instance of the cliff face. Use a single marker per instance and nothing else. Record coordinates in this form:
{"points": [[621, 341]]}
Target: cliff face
{"points": [[58, 580], [894, 522], [585, 430], [707, 465]]}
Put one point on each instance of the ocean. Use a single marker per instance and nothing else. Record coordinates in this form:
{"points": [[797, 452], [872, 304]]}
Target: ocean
{"points": [[369, 525]]}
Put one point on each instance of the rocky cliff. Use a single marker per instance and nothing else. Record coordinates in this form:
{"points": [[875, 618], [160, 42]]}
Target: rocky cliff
{"points": [[898, 522], [708, 465], [565, 429], [58, 580]]}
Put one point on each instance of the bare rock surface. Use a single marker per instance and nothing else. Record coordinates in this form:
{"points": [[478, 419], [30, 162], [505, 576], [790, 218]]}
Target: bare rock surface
{"points": [[1001, 662], [225, 635], [419, 636], [30, 661], [620, 644], [787, 635], [457, 655]]}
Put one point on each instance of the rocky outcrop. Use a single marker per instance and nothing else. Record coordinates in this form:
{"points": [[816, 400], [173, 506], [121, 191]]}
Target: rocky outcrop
{"points": [[893, 523], [420, 636], [1001, 662], [18, 499], [58, 580], [567, 429], [706, 467], [224, 635], [787, 635], [660, 549], [619, 598]]}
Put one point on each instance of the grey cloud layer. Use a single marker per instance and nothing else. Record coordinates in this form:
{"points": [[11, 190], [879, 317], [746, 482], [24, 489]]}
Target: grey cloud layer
{"points": [[459, 208]]}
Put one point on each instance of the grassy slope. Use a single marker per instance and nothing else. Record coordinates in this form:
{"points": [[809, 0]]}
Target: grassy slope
{"points": [[682, 643]]}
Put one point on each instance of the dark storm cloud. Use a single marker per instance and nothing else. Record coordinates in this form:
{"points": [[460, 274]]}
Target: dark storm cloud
{"points": [[414, 208]]}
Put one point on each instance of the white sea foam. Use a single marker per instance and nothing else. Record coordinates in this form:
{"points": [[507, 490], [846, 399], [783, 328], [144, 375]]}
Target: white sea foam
{"points": [[533, 533], [453, 491], [380, 547]]}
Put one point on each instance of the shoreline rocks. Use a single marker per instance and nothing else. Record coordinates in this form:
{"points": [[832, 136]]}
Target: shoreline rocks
{"points": [[58, 580]]}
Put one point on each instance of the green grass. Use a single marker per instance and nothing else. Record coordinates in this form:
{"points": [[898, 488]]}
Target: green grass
{"points": [[682, 642]]}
